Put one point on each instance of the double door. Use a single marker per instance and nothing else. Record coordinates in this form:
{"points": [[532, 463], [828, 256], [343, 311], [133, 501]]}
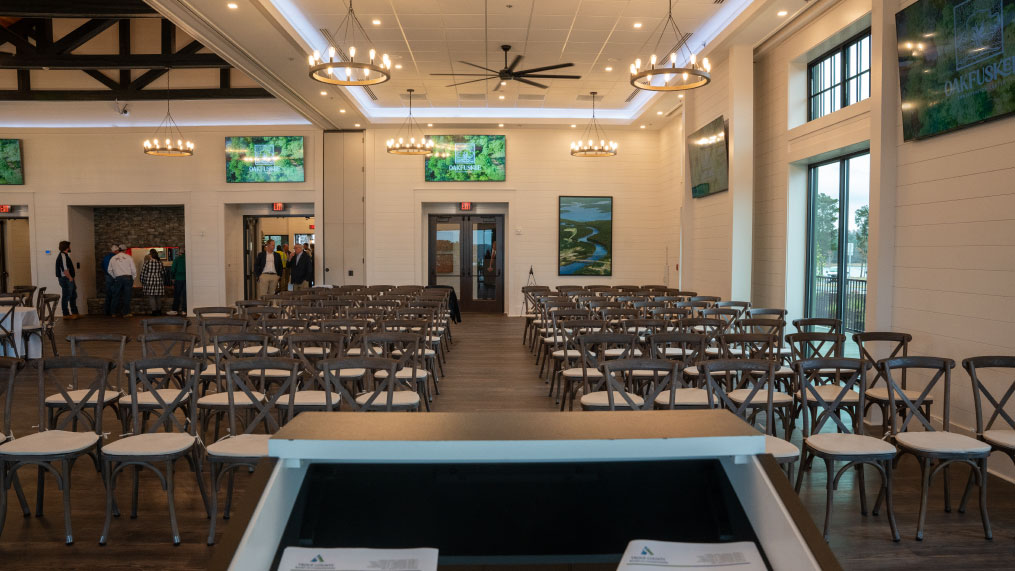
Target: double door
{"points": [[467, 254]]}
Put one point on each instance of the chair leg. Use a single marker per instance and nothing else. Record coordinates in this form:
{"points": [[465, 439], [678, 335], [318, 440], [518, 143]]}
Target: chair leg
{"points": [[800, 473], [134, 492], [829, 490], [969, 488], [924, 492], [172, 504], [213, 500], [948, 496], [889, 501], [195, 463], [229, 494], [109, 481], [987, 533], [65, 485], [863, 488], [3, 495], [40, 491]]}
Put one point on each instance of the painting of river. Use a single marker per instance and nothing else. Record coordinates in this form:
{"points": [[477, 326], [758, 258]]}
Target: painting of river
{"points": [[585, 236]]}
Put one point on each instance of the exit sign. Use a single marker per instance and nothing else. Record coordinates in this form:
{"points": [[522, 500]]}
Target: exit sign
{"points": [[464, 206], [5, 208], [277, 206]]}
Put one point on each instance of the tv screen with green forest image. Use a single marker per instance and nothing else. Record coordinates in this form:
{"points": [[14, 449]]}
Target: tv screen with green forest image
{"points": [[467, 158], [264, 159], [12, 170], [709, 161], [956, 64], [585, 236]]}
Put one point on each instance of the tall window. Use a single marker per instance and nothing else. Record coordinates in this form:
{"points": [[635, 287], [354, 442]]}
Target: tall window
{"points": [[840, 77], [838, 211]]}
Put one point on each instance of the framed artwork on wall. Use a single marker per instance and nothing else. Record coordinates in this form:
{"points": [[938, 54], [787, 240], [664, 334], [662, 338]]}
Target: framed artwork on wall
{"points": [[12, 170], [585, 236]]}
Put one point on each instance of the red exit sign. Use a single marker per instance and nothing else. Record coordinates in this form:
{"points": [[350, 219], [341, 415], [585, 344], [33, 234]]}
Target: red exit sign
{"points": [[464, 206], [5, 208], [277, 206]]}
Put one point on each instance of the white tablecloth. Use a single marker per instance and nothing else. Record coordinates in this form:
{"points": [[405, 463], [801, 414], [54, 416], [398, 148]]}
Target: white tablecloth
{"points": [[25, 317]]}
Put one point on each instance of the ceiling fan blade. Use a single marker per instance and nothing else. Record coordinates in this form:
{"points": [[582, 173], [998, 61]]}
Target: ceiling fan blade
{"points": [[471, 81], [479, 66], [533, 83], [514, 62], [544, 68], [551, 76], [467, 74]]}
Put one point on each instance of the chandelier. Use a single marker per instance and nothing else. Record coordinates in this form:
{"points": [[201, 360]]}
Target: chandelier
{"points": [[347, 71], [593, 142], [670, 77], [412, 147], [168, 141]]}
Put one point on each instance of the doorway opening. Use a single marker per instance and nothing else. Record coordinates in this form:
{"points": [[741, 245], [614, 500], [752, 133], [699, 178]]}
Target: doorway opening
{"points": [[467, 254], [286, 232], [15, 254]]}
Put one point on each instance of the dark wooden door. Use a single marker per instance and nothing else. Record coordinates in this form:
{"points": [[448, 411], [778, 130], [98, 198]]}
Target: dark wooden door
{"points": [[467, 253]]}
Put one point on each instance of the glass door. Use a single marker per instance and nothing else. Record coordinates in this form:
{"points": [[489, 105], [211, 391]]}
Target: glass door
{"points": [[838, 211], [466, 254]]}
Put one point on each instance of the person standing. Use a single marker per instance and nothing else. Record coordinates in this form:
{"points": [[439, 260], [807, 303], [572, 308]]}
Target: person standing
{"points": [[178, 273], [301, 268], [266, 269], [283, 279], [110, 283], [153, 281], [122, 268], [68, 289]]}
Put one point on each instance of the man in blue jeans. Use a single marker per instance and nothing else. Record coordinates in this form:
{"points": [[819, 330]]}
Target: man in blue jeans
{"points": [[68, 289], [123, 270], [110, 282]]}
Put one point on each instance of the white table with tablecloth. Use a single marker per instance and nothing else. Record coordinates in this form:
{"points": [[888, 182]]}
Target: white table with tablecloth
{"points": [[24, 317]]}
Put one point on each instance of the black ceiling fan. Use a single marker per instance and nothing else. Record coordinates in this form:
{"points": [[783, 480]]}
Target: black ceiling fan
{"points": [[508, 73]]}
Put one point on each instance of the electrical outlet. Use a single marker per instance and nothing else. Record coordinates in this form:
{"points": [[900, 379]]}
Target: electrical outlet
{"points": [[350, 272]]}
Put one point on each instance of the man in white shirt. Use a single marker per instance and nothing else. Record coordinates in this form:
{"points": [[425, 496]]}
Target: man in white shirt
{"points": [[267, 268], [123, 270]]}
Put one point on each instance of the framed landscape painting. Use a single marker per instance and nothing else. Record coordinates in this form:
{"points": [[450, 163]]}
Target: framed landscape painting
{"points": [[585, 236], [12, 170]]}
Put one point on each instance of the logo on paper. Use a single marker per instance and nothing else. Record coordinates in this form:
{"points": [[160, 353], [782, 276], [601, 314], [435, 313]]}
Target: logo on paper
{"points": [[264, 154], [646, 551], [465, 153], [317, 559], [979, 31]]}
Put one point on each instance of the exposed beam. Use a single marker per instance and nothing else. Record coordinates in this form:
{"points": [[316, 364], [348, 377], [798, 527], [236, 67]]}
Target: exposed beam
{"points": [[168, 35], [155, 62], [24, 81], [123, 31], [225, 78], [102, 78], [81, 35], [147, 77], [20, 42], [131, 95], [77, 9]]}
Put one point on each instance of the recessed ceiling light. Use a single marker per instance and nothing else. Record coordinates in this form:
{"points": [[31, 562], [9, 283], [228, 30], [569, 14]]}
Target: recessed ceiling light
{"points": [[643, 126], [637, 24], [608, 68], [503, 83], [324, 93], [341, 110], [500, 97], [573, 126], [398, 66], [681, 96], [376, 22], [500, 124], [429, 124], [232, 5], [357, 125], [781, 13], [659, 112]]}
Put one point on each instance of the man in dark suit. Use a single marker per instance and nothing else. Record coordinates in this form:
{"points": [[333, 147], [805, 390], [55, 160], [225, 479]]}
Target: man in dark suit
{"points": [[267, 269], [301, 268]]}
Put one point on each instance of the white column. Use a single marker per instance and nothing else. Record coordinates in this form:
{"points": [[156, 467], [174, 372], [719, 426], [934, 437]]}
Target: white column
{"points": [[741, 152]]}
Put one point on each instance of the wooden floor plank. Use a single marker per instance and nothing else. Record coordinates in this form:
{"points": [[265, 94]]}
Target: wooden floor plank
{"points": [[488, 369]]}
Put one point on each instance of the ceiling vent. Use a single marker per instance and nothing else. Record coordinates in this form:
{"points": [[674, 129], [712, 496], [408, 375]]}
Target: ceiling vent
{"points": [[472, 97], [531, 97]]}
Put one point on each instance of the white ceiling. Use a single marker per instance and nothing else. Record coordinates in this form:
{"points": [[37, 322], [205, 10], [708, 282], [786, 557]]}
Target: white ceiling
{"points": [[432, 36]]}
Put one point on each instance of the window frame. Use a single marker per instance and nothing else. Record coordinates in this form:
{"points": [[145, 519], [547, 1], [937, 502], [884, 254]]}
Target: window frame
{"points": [[842, 75]]}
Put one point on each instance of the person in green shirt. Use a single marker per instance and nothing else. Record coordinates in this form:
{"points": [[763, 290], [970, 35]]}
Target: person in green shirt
{"points": [[178, 273]]}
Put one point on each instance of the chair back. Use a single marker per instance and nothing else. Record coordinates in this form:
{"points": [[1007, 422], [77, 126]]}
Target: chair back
{"points": [[112, 346], [246, 376], [748, 346], [851, 375], [883, 342], [740, 306], [310, 348], [757, 375], [215, 311], [154, 374], [622, 376], [384, 386], [47, 306], [8, 371], [998, 366], [940, 371], [167, 344], [685, 348], [73, 373], [164, 324], [818, 325], [770, 312], [815, 345]]}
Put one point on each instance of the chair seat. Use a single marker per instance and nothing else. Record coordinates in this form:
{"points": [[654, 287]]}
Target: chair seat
{"points": [[314, 350], [784, 371], [732, 351], [421, 351], [147, 398], [405, 373], [49, 442], [568, 353], [152, 444], [600, 399], [240, 446], [78, 395], [400, 399], [211, 370], [831, 392], [617, 352], [741, 395], [782, 450], [554, 339], [683, 397], [205, 350], [941, 442], [312, 398], [255, 350], [1000, 438], [648, 374], [271, 373], [222, 399], [836, 444], [576, 373], [881, 394], [676, 351]]}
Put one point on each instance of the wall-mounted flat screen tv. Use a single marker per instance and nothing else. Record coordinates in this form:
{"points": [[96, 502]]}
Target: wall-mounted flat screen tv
{"points": [[12, 170], [264, 159], [956, 64], [467, 158], [706, 151]]}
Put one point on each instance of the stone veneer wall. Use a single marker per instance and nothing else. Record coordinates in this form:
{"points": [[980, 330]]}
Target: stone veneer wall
{"points": [[135, 226]]}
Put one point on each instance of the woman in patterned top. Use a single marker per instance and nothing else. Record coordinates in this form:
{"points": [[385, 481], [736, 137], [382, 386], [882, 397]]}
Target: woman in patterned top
{"points": [[153, 280]]}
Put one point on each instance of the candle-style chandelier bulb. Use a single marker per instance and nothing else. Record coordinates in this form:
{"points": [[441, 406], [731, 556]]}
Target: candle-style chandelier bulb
{"points": [[661, 78], [422, 147], [349, 32], [585, 146]]}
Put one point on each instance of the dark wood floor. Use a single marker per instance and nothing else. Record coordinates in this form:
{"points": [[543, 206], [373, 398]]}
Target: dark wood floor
{"points": [[488, 369]]}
